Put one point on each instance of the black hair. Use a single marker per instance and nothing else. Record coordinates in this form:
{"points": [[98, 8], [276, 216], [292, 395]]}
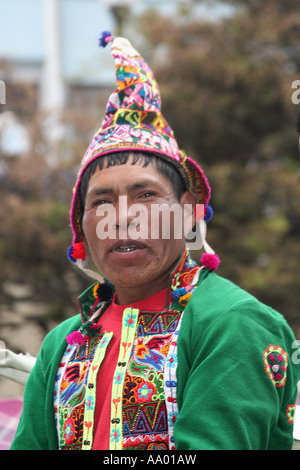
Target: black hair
{"points": [[120, 158]]}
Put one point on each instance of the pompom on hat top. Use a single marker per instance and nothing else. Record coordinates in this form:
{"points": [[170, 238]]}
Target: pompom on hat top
{"points": [[133, 122]]}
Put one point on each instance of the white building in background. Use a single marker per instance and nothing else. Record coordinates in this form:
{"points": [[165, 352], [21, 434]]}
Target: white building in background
{"points": [[53, 44], [52, 86]]}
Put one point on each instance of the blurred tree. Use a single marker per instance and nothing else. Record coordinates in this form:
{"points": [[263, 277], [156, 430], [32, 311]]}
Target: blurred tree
{"points": [[34, 212], [226, 74]]}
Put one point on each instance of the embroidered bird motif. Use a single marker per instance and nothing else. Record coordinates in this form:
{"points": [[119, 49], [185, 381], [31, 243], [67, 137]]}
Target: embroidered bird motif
{"points": [[150, 356]]}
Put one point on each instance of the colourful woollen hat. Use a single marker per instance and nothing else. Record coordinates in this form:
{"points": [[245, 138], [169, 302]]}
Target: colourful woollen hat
{"points": [[133, 122]]}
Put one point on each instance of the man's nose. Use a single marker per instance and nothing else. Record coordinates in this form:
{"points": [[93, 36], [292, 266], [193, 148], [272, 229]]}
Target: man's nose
{"points": [[131, 218], [123, 215]]}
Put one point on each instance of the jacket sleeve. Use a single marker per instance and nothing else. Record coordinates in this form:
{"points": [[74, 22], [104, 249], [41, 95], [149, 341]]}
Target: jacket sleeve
{"points": [[32, 432], [229, 394], [37, 427]]}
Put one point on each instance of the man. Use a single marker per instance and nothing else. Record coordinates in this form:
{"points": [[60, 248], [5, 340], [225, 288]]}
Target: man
{"points": [[165, 354]]}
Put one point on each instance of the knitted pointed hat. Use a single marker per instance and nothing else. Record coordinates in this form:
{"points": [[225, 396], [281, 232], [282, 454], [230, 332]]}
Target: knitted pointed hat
{"points": [[133, 121]]}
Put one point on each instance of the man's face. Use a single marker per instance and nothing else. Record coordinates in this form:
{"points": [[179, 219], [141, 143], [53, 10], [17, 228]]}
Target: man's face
{"points": [[129, 256]]}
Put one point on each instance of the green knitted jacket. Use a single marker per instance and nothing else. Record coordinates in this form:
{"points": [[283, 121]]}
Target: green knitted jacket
{"points": [[236, 377]]}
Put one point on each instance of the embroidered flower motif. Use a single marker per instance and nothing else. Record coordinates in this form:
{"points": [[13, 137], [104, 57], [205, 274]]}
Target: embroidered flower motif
{"points": [[190, 263], [90, 402], [276, 362], [145, 392], [290, 413], [172, 360], [68, 430], [172, 417], [115, 435], [129, 320], [118, 378]]}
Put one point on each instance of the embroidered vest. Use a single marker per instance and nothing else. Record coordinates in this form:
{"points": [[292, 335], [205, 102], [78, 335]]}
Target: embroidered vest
{"points": [[143, 402]]}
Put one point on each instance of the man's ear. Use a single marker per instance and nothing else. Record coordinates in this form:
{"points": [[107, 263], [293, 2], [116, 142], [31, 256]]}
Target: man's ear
{"points": [[188, 204]]}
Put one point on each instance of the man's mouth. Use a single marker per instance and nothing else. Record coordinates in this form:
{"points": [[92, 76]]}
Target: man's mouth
{"points": [[126, 246]]}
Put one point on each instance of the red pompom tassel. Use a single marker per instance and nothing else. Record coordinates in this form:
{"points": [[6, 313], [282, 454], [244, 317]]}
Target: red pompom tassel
{"points": [[78, 251], [76, 338], [210, 261]]}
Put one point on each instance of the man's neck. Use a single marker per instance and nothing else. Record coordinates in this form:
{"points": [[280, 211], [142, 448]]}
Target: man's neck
{"points": [[127, 296]]}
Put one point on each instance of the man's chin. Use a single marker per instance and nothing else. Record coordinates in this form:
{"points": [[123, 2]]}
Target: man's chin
{"points": [[127, 276]]}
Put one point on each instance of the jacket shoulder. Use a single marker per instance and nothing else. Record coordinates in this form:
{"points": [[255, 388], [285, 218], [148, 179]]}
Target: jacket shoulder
{"points": [[64, 328], [216, 296]]}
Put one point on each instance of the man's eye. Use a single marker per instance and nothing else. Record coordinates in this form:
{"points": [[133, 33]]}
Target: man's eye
{"points": [[100, 202], [148, 194]]}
